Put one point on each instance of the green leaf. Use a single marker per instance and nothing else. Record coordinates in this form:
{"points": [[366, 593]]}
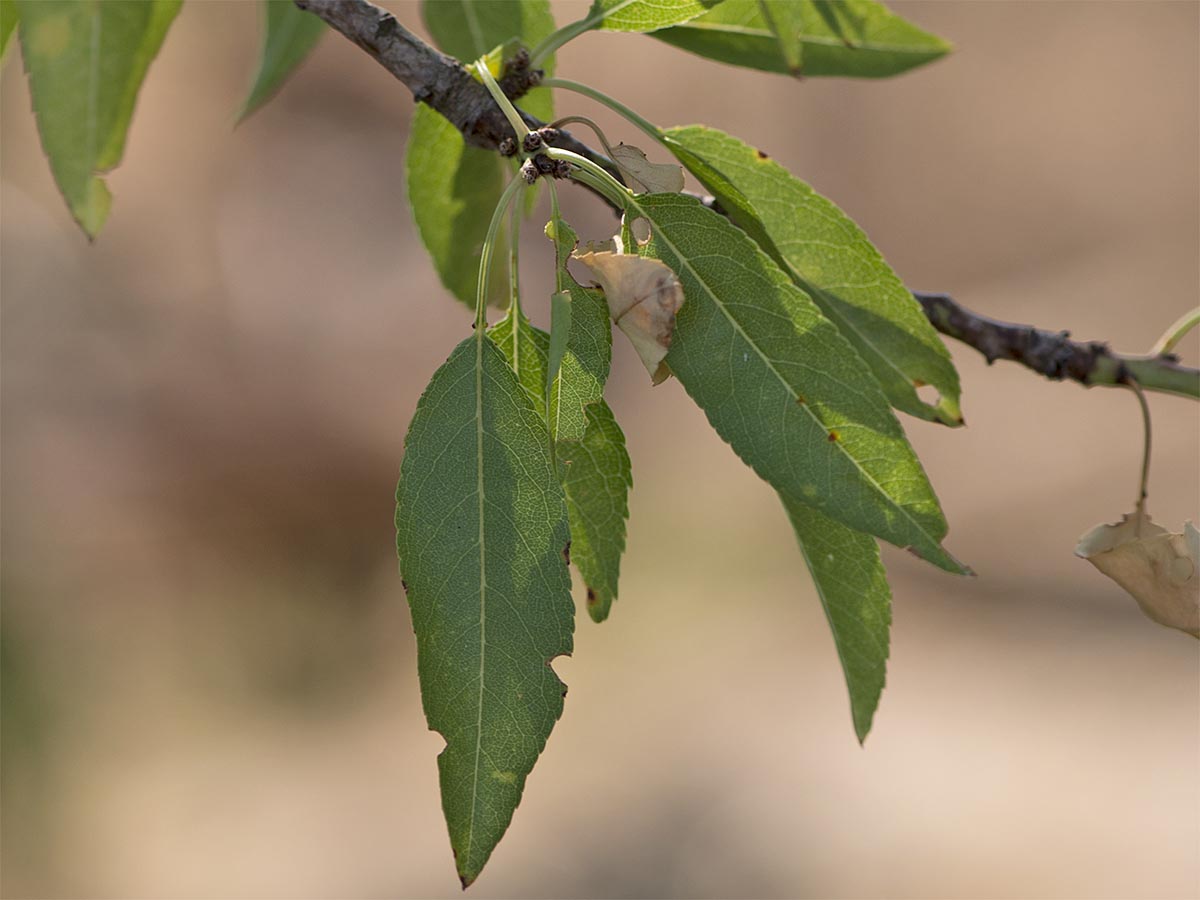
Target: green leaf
{"points": [[450, 188], [644, 15], [8, 26], [855, 38], [289, 34], [481, 531], [854, 591], [595, 466], [449, 183], [86, 63], [597, 481], [833, 261], [560, 331], [781, 385]]}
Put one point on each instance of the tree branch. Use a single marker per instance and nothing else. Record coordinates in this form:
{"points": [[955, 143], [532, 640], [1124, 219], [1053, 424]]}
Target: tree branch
{"points": [[438, 80], [443, 83], [1055, 355]]}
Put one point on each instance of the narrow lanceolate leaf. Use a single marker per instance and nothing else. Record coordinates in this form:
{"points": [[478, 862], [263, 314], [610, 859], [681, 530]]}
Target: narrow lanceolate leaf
{"points": [[584, 371], [86, 63], [597, 481], [831, 258], [855, 38], [644, 15], [853, 587], [594, 466], [448, 181], [783, 387], [8, 26], [288, 35], [481, 531]]}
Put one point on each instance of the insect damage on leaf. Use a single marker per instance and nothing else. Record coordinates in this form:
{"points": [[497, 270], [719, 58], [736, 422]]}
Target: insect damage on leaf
{"points": [[644, 176], [1159, 569], [643, 297]]}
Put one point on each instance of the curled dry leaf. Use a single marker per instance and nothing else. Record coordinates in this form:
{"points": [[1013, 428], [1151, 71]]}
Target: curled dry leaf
{"points": [[1159, 569], [647, 177], [643, 296]]}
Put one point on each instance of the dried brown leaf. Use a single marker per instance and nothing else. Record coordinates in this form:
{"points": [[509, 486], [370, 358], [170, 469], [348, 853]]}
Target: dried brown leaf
{"points": [[1158, 568], [643, 296], [647, 177]]}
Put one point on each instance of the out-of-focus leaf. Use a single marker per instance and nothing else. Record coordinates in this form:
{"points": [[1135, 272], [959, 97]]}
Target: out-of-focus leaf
{"points": [[452, 187], [481, 531], [644, 15], [289, 34], [86, 63], [8, 26], [855, 38], [831, 258], [1159, 569], [853, 587], [643, 296], [781, 385]]}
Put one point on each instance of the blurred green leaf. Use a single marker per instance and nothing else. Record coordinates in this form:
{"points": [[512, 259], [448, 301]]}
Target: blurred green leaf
{"points": [[451, 185], [855, 38], [833, 261], [853, 587], [781, 385], [289, 34], [86, 63], [481, 532], [8, 26]]}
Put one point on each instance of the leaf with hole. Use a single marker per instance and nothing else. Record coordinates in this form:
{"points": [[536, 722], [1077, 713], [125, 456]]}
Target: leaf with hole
{"points": [[86, 63], [830, 258], [481, 528], [288, 36], [855, 38]]}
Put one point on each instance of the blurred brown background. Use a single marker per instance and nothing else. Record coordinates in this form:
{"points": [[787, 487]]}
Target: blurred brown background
{"points": [[209, 677]]}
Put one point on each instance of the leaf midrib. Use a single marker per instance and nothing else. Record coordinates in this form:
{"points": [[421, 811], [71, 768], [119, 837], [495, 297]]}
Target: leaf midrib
{"points": [[820, 40]]}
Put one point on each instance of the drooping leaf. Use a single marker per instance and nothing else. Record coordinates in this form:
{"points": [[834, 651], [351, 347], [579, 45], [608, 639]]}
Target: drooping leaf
{"points": [[8, 26], [597, 481], [644, 15], [781, 385], [86, 63], [449, 183], [833, 261], [594, 467], [289, 34], [644, 176], [481, 532], [580, 381], [1159, 569], [855, 38], [853, 587], [643, 297]]}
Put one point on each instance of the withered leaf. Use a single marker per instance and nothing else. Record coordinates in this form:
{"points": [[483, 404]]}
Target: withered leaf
{"points": [[643, 296], [1159, 569], [647, 177]]}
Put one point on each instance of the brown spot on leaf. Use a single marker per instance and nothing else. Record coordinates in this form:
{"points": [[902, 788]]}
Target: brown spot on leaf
{"points": [[567, 553], [762, 155], [591, 597], [833, 436], [800, 399], [918, 383], [404, 584]]}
